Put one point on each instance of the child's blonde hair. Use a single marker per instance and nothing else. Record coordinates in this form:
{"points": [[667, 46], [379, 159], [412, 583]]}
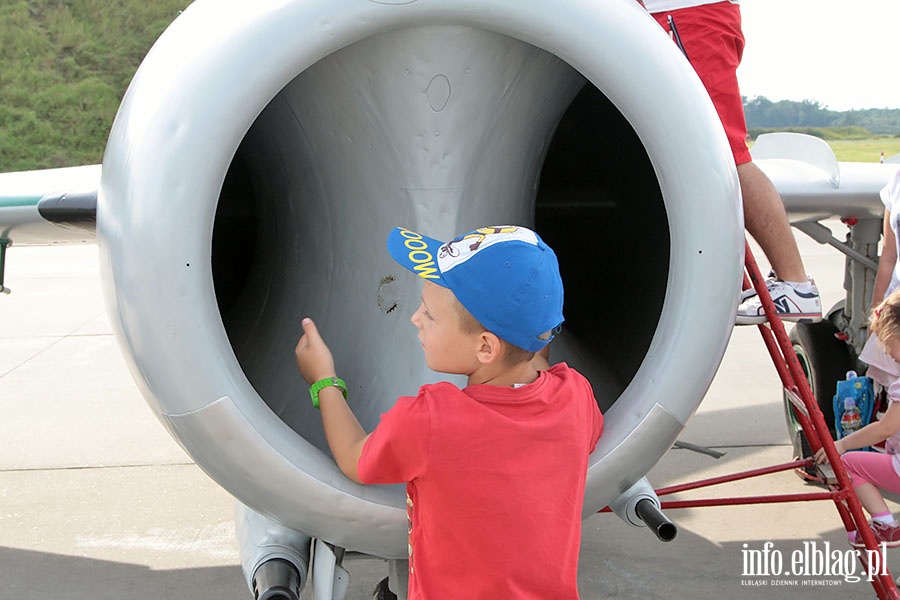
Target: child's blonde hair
{"points": [[886, 319]]}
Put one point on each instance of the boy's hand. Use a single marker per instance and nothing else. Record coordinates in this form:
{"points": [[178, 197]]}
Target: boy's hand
{"points": [[313, 356], [345, 436]]}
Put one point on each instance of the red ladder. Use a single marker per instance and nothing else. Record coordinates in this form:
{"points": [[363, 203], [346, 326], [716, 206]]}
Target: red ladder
{"points": [[813, 424], [816, 430]]}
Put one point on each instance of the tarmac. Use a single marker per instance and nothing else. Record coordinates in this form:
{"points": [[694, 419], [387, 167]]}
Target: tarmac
{"points": [[97, 501]]}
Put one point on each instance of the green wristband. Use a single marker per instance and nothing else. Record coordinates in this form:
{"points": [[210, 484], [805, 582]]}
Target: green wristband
{"points": [[320, 385]]}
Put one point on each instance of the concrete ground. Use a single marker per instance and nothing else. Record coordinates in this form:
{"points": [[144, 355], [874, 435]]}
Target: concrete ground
{"points": [[97, 501]]}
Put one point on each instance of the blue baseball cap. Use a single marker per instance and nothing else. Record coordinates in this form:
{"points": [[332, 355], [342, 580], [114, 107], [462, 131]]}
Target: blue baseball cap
{"points": [[505, 276]]}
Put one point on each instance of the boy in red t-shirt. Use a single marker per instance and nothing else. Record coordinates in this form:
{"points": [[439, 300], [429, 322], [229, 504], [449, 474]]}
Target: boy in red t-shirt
{"points": [[494, 472]]}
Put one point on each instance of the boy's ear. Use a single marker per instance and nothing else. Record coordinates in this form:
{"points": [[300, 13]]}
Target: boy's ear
{"points": [[490, 348]]}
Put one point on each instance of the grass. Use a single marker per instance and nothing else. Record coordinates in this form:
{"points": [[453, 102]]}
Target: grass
{"points": [[867, 150], [64, 67]]}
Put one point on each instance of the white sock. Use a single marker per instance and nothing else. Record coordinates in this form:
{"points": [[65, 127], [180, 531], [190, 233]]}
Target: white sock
{"points": [[885, 519], [804, 287]]}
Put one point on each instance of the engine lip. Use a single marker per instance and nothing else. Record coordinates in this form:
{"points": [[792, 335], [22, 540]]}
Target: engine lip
{"points": [[166, 164]]}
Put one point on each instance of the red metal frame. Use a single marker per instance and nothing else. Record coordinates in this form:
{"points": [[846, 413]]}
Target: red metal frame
{"points": [[794, 380], [814, 427]]}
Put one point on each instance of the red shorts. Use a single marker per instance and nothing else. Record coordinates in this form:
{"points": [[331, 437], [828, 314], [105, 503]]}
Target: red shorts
{"points": [[713, 41]]}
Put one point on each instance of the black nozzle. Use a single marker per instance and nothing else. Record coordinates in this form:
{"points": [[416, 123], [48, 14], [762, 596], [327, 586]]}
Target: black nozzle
{"points": [[276, 579], [654, 518]]}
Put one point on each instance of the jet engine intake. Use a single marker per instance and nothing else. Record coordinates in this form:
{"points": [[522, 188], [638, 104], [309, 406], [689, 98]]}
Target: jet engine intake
{"points": [[263, 152]]}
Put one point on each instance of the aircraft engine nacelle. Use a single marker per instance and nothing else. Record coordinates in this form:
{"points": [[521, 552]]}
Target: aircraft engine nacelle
{"points": [[265, 149]]}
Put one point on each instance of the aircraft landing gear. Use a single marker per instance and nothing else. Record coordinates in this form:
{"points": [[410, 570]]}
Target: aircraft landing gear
{"points": [[825, 359], [3, 245]]}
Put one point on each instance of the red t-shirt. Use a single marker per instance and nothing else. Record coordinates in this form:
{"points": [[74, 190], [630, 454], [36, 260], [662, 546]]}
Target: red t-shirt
{"points": [[495, 484]]}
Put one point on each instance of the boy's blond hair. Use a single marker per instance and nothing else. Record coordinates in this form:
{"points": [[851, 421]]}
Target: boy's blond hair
{"points": [[886, 319], [512, 354]]}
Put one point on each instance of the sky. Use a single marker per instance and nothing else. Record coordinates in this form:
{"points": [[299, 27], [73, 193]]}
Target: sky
{"points": [[841, 53]]}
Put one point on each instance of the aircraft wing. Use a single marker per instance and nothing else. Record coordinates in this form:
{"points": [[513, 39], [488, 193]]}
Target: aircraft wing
{"points": [[814, 184], [51, 206]]}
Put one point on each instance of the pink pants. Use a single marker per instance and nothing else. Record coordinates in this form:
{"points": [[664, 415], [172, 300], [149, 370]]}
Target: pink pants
{"points": [[872, 467]]}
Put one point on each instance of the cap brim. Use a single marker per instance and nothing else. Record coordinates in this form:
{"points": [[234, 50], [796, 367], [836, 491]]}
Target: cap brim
{"points": [[416, 252]]}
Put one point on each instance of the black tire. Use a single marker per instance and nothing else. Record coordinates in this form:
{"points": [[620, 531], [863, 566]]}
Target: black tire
{"points": [[825, 360], [383, 592]]}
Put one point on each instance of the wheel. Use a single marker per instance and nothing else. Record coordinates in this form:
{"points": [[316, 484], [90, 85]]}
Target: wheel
{"points": [[383, 592], [824, 359]]}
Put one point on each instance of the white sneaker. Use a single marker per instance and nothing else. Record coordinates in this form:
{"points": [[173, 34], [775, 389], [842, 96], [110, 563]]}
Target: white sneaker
{"points": [[790, 304], [771, 281]]}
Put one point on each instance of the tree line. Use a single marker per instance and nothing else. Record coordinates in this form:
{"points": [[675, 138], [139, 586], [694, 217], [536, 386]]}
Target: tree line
{"points": [[763, 114]]}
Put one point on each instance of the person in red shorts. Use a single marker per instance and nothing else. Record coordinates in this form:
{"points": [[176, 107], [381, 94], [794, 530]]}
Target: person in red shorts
{"points": [[494, 472], [709, 33]]}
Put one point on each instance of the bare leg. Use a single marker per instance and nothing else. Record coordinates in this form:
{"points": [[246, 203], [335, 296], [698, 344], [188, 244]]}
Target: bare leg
{"points": [[871, 499], [766, 220]]}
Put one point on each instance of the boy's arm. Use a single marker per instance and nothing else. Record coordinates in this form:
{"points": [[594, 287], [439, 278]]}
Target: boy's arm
{"points": [[345, 435]]}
